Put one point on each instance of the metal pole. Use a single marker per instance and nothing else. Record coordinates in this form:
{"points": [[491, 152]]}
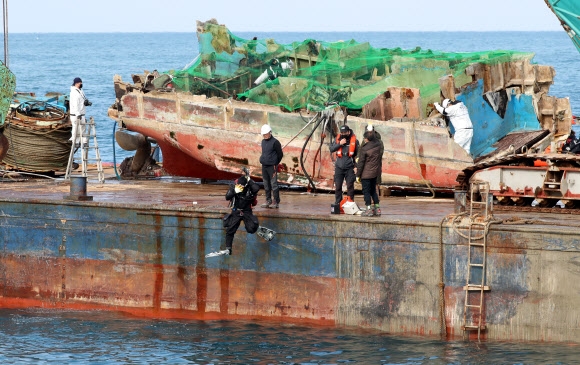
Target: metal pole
{"points": [[5, 19]]}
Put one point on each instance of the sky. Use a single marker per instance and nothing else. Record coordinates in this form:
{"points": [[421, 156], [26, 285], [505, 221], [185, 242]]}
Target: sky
{"points": [[80, 16]]}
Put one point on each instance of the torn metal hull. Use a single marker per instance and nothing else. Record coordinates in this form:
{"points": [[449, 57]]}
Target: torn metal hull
{"points": [[214, 138]]}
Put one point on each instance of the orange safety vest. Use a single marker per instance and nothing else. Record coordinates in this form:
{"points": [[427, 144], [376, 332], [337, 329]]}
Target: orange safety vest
{"points": [[351, 146]]}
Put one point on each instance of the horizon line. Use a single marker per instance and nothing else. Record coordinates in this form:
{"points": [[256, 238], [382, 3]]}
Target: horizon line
{"points": [[301, 31]]}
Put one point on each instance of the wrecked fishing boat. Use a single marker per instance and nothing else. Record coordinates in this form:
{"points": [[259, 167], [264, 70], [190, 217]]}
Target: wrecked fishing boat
{"points": [[38, 130], [206, 118]]}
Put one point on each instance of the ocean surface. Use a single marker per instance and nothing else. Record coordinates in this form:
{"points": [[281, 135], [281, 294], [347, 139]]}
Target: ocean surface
{"points": [[73, 337], [49, 62]]}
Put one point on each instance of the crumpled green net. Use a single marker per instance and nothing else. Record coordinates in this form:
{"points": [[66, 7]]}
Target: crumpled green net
{"points": [[347, 73], [6, 91]]}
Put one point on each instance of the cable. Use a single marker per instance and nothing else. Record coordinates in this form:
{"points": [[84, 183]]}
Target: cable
{"points": [[28, 173], [442, 320], [297, 134], [302, 153], [114, 155]]}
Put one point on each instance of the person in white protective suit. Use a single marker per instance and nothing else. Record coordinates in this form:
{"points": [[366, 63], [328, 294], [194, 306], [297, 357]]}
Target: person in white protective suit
{"points": [[457, 113], [275, 70], [78, 103]]}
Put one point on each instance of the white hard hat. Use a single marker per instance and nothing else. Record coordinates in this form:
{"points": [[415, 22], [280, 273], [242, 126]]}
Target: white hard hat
{"points": [[266, 129], [445, 103]]}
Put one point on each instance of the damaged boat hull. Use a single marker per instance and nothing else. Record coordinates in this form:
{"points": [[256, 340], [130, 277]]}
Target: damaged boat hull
{"points": [[214, 137]]}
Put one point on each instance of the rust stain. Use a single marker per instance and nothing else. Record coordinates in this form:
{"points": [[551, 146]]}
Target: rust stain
{"points": [[62, 255], [181, 266], [505, 244], [282, 308], [158, 265], [201, 274], [243, 161], [225, 290], [17, 303]]}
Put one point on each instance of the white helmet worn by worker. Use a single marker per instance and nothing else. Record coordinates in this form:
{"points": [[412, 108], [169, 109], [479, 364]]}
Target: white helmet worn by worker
{"points": [[266, 129]]}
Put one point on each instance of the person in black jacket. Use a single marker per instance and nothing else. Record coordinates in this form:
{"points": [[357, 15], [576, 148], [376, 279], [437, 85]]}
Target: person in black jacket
{"points": [[572, 144], [367, 170], [242, 197], [371, 128], [271, 156], [346, 148]]}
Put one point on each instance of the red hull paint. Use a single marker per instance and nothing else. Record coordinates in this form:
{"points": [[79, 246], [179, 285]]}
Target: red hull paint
{"points": [[214, 138], [165, 291]]}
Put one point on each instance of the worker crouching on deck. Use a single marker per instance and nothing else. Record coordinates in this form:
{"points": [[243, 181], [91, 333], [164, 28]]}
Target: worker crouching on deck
{"points": [[242, 196], [346, 148]]}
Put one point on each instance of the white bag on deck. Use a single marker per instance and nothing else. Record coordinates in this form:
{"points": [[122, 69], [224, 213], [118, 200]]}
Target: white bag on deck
{"points": [[350, 208]]}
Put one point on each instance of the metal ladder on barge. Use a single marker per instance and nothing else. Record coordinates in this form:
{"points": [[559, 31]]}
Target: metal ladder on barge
{"points": [[88, 131], [476, 257]]}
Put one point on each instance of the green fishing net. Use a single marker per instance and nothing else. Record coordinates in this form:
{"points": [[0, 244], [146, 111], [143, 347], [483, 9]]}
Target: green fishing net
{"points": [[6, 91], [347, 73]]}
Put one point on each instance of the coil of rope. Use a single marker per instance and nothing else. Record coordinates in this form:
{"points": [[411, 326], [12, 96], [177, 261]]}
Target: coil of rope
{"points": [[38, 142]]}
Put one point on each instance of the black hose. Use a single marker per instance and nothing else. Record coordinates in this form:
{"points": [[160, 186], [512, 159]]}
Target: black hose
{"points": [[302, 154], [114, 155]]}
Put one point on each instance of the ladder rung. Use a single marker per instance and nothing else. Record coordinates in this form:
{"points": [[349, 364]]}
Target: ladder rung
{"points": [[478, 203], [476, 244], [471, 328], [472, 306], [478, 265], [475, 287]]}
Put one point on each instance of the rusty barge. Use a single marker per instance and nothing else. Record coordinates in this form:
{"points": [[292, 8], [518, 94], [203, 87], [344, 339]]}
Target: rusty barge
{"points": [[139, 248]]}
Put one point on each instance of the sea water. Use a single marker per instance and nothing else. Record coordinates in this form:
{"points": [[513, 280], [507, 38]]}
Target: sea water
{"points": [[46, 62], [49, 62], [76, 337]]}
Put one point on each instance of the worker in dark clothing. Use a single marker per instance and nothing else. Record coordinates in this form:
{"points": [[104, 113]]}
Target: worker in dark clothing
{"points": [[242, 197], [367, 170], [271, 156], [371, 128], [572, 144], [346, 147]]}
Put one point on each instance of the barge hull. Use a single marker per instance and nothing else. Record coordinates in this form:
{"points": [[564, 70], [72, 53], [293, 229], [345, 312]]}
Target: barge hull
{"points": [[117, 253]]}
